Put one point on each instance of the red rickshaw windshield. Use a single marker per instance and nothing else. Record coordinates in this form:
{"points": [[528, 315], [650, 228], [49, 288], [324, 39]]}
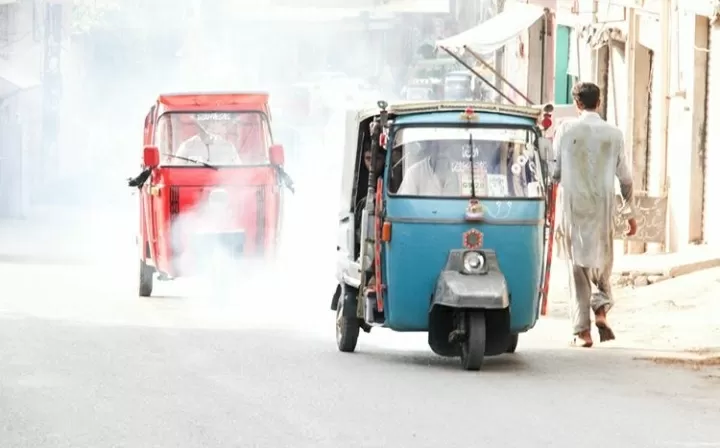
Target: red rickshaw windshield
{"points": [[216, 138]]}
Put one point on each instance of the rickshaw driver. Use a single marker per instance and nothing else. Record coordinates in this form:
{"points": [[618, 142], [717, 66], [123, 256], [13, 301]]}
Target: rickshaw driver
{"points": [[209, 146], [433, 175]]}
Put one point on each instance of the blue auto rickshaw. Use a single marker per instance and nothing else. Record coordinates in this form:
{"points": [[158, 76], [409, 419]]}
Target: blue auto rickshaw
{"points": [[450, 236]]}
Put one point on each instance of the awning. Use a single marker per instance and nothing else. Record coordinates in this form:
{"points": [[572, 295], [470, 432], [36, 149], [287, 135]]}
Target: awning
{"points": [[496, 32], [13, 79]]}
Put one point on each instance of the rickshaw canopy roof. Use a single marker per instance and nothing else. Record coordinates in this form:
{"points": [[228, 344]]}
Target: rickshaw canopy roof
{"points": [[214, 101], [401, 108]]}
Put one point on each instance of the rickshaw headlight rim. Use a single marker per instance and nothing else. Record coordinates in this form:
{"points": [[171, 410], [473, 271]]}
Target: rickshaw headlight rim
{"points": [[473, 262]]}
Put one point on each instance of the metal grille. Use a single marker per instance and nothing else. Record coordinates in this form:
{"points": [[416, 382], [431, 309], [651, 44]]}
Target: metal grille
{"points": [[174, 201]]}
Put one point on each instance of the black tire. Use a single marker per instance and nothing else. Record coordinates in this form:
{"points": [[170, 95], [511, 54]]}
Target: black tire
{"points": [[347, 329], [145, 283], [512, 346], [472, 350]]}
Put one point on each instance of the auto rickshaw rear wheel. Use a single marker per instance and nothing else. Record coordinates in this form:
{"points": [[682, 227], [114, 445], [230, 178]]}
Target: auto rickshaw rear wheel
{"points": [[145, 285], [472, 349], [347, 329], [512, 345]]}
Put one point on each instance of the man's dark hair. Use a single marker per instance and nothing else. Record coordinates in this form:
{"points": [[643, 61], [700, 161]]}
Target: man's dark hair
{"points": [[587, 94]]}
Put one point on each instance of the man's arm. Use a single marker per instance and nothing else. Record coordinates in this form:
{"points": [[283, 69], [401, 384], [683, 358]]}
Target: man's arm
{"points": [[184, 150], [623, 173], [409, 186]]}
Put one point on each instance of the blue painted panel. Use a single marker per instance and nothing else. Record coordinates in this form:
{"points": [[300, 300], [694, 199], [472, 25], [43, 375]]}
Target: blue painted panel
{"points": [[483, 118], [418, 251]]}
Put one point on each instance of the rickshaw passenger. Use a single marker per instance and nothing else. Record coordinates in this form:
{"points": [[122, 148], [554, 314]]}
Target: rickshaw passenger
{"points": [[209, 146]]}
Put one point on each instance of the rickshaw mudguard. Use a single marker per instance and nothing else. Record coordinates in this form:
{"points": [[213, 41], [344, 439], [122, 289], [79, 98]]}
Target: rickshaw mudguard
{"points": [[485, 290]]}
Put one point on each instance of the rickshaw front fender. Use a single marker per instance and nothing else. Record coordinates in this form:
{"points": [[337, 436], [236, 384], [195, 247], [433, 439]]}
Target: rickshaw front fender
{"points": [[472, 291]]}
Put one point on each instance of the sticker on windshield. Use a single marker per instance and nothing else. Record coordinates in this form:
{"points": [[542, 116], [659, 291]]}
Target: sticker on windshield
{"points": [[213, 117], [497, 185], [480, 176]]}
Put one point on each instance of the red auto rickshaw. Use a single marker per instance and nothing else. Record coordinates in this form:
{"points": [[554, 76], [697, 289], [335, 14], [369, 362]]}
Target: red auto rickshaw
{"points": [[212, 179]]}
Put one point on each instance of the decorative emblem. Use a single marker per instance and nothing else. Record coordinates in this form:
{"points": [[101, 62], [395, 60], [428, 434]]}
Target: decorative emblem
{"points": [[473, 239], [468, 115], [475, 210]]}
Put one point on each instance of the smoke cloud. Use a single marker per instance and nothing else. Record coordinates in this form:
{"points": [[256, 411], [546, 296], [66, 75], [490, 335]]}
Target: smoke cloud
{"points": [[119, 55]]}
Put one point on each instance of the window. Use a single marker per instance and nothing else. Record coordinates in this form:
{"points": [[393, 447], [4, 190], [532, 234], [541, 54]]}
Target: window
{"points": [[563, 85], [217, 138], [448, 161]]}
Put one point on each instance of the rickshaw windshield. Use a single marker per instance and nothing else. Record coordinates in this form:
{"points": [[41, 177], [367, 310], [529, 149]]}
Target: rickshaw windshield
{"points": [[437, 162], [216, 138]]}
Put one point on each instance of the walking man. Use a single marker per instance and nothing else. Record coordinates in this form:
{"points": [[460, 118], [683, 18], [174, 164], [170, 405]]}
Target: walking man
{"points": [[590, 154]]}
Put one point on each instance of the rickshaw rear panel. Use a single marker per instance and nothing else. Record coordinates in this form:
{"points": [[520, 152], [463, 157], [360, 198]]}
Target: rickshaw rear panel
{"points": [[247, 192], [414, 237]]}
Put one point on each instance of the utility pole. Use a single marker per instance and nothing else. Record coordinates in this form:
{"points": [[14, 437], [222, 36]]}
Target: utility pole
{"points": [[52, 88]]}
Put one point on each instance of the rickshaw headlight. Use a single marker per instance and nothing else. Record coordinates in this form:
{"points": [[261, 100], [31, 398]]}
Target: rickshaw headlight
{"points": [[473, 262]]}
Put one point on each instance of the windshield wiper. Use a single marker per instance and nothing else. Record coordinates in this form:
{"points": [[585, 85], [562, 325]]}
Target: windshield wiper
{"points": [[187, 159]]}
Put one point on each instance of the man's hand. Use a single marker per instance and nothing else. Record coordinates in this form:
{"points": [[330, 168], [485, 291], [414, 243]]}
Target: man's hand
{"points": [[633, 227]]}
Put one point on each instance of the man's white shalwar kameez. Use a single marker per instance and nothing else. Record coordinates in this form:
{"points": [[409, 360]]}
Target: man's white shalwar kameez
{"points": [[422, 180], [590, 154]]}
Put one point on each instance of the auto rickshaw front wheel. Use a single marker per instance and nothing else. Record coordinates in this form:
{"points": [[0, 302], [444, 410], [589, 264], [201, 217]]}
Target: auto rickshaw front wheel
{"points": [[347, 329], [472, 348], [145, 284]]}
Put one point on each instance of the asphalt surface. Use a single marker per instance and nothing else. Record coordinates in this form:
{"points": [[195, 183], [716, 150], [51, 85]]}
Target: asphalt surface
{"points": [[86, 363]]}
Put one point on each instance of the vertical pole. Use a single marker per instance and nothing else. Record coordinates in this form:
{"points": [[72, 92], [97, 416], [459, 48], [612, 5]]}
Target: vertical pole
{"points": [[658, 159]]}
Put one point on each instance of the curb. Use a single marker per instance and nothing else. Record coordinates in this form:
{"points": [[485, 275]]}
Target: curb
{"points": [[644, 277]]}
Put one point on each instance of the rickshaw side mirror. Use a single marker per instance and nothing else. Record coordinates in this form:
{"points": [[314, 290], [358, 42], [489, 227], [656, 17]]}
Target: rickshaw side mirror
{"points": [[151, 156], [277, 155]]}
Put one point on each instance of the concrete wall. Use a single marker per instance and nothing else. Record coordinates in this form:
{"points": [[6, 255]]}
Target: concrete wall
{"points": [[669, 160], [529, 61], [685, 130]]}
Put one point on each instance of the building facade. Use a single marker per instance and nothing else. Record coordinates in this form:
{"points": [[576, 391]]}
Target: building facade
{"points": [[30, 91], [20, 100], [658, 64]]}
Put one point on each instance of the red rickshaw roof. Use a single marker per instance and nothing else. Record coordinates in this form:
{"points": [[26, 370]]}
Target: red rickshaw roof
{"points": [[215, 101]]}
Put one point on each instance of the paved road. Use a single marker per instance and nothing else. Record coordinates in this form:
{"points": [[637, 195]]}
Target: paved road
{"points": [[84, 363]]}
